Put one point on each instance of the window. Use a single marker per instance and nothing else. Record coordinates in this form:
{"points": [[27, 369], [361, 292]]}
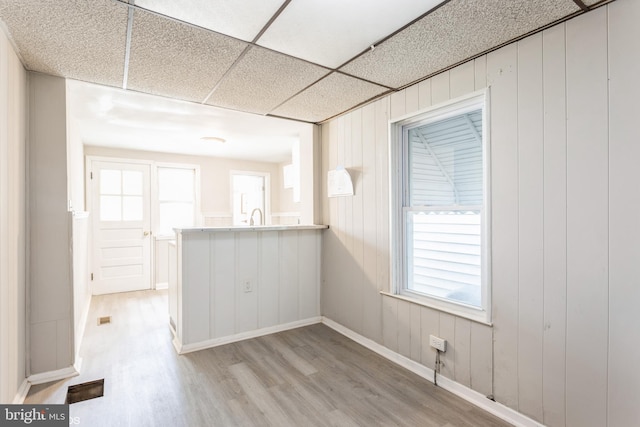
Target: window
{"points": [[121, 195], [176, 198], [250, 194], [440, 213]]}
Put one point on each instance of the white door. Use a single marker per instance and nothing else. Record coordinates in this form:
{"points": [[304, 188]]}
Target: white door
{"points": [[120, 206]]}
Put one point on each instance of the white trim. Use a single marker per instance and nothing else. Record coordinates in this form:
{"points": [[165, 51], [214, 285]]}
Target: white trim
{"points": [[83, 325], [266, 215], [161, 286], [443, 110], [283, 214], [80, 214], [471, 396], [49, 376], [22, 392], [217, 214], [155, 191], [202, 345], [425, 303], [78, 364], [399, 191]]}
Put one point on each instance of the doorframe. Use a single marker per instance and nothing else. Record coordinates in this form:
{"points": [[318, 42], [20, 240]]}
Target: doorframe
{"points": [[89, 202], [155, 199], [267, 191], [153, 195]]}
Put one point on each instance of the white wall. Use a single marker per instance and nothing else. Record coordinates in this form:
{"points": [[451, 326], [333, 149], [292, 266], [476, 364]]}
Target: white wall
{"points": [[215, 184], [81, 288], [563, 349], [13, 232], [75, 167], [50, 280], [289, 211], [310, 177]]}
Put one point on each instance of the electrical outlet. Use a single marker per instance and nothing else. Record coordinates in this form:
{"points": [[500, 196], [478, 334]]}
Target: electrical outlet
{"points": [[247, 286], [438, 343]]}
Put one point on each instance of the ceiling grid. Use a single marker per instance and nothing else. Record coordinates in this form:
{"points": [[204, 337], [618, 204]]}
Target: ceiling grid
{"points": [[304, 60]]}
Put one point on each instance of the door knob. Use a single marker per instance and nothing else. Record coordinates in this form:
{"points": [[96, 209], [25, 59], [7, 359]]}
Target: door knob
{"points": [[146, 233]]}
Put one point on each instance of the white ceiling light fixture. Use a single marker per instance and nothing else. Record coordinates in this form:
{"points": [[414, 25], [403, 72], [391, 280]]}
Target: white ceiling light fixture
{"points": [[213, 139]]}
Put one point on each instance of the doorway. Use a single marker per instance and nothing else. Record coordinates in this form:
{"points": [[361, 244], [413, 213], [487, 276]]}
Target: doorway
{"points": [[121, 226], [250, 198]]}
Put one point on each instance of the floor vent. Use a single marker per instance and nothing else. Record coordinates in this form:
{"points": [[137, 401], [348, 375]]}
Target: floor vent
{"points": [[104, 320], [85, 391]]}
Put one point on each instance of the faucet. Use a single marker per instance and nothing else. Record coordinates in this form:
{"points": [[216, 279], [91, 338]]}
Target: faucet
{"points": [[251, 217]]}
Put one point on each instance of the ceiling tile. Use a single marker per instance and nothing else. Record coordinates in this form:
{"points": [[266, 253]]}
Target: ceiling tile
{"points": [[330, 96], [456, 31], [330, 32], [240, 19], [173, 59], [73, 38], [263, 79]]}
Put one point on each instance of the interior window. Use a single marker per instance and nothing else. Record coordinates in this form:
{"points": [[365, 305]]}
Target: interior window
{"points": [[176, 198]]}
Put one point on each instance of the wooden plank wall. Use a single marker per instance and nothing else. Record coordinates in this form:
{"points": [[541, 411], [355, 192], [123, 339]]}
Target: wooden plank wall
{"points": [[624, 200], [563, 102], [283, 268], [13, 166]]}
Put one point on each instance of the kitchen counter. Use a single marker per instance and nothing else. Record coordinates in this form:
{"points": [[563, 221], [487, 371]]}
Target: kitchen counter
{"points": [[232, 283], [243, 228]]}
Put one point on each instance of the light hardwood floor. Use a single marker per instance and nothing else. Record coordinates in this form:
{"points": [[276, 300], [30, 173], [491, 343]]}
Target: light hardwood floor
{"points": [[310, 376]]}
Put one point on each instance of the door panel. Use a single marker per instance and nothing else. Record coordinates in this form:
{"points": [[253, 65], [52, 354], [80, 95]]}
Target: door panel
{"points": [[121, 227]]}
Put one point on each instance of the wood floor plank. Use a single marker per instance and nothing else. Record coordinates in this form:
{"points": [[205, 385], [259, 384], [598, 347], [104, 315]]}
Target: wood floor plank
{"points": [[310, 376]]}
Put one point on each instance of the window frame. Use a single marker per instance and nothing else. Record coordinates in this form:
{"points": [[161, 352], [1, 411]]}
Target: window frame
{"points": [[399, 193], [155, 194]]}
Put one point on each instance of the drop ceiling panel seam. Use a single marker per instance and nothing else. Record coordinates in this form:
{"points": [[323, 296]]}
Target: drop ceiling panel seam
{"points": [[186, 62], [127, 49], [85, 41], [172, 59], [384, 39], [264, 79], [545, 27], [217, 84], [270, 21], [226, 73], [451, 34], [298, 93], [180, 21], [251, 43], [486, 52], [390, 89], [581, 5]]}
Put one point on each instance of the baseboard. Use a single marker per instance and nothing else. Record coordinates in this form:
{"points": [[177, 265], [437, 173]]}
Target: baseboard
{"points": [[161, 286], [471, 396], [22, 392], [188, 348], [49, 376]]}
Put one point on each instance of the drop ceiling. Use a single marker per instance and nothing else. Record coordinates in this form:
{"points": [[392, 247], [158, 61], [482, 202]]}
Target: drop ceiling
{"points": [[306, 60]]}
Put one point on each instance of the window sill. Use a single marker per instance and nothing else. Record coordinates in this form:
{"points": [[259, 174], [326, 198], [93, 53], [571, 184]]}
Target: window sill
{"points": [[425, 303]]}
